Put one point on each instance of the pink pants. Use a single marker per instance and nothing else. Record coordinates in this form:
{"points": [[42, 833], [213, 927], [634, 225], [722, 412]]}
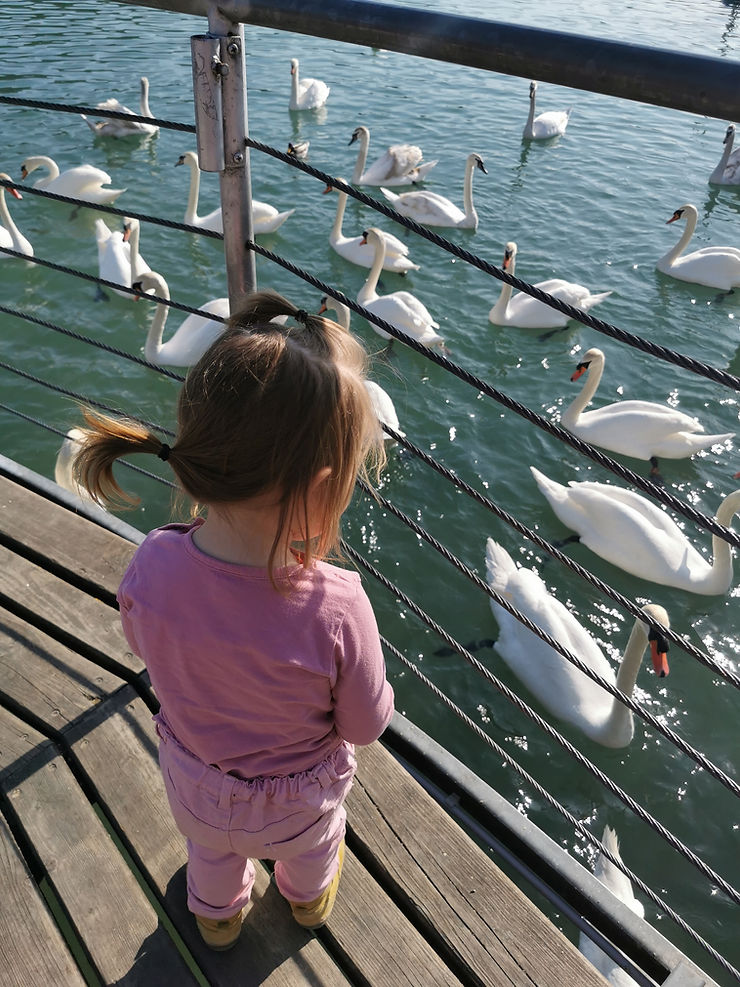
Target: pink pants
{"points": [[297, 820]]}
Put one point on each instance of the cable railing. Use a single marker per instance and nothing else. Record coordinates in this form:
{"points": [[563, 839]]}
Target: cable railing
{"points": [[713, 374]]}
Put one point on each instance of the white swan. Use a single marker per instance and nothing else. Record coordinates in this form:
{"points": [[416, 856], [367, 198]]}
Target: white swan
{"points": [[727, 171], [383, 406], [265, 218], [544, 125], [10, 236], [399, 308], [400, 165], [621, 887], [119, 259], [358, 251], [633, 533], [436, 210], [526, 312], [716, 267], [63, 466], [190, 341], [124, 128], [560, 687], [633, 428], [84, 182], [306, 94]]}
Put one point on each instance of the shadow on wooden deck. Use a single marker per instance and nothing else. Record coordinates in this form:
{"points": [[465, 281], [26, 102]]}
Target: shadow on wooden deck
{"points": [[92, 867]]}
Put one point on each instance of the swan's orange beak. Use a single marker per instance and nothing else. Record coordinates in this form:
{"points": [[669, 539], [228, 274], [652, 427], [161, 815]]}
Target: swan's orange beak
{"points": [[322, 309], [507, 261], [126, 233], [14, 192], [363, 241], [659, 653], [329, 188], [579, 371], [674, 217]]}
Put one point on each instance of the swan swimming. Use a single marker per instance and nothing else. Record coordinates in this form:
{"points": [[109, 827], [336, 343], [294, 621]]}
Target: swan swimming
{"points": [[560, 687], [544, 125], [727, 171], [400, 165], [637, 536], [306, 94], [357, 250], [190, 341], [119, 259], [124, 128], [432, 209], [265, 218], [399, 308], [10, 236], [621, 887], [633, 428], [385, 410], [525, 312], [83, 182], [715, 267]]}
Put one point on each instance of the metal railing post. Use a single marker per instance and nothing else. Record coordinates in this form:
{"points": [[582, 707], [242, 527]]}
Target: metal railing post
{"points": [[236, 187]]}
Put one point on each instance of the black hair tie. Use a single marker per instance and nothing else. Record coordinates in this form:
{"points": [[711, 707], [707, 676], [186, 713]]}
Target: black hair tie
{"points": [[164, 452], [301, 316]]}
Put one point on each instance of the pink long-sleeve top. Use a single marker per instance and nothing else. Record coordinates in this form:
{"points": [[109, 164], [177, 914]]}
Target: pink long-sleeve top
{"points": [[255, 681]]}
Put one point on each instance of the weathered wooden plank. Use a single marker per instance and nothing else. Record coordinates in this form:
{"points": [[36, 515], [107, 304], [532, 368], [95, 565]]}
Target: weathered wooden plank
{"points": [[28, 587], [116, 745], [107, 907], [384, 946], [68, 541], [456, 888], [45, 678], [32, 950], [19, 744]]}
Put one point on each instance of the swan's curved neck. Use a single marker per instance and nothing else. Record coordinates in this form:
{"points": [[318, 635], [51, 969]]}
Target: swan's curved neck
{"points": [[154, 337], [5, 218], [361, 157], [368, 291], [530, 118], [336, 230], [144, 100], [593, 379], [691, 218], [719, 171], [134, 249], [191, 213], [619, 721], [498, 313], [294, 85], [470, 213], [721, 552]]}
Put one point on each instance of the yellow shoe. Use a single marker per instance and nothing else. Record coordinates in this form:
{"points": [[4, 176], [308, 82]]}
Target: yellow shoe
{"points": [[221, 933], [313, 914]]}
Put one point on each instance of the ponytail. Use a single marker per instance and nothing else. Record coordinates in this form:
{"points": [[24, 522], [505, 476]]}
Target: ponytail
{"points": [[104, 441]]}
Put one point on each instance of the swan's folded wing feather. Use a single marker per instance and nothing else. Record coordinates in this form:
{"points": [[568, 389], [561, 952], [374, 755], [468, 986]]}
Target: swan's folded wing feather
{"points": [[114, 106]]}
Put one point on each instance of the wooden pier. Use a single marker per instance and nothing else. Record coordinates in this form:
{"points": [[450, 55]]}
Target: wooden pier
{"points": [[93, 869]]}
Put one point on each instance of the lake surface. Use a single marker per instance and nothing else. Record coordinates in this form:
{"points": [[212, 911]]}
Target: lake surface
{"points": [[591, 207]]}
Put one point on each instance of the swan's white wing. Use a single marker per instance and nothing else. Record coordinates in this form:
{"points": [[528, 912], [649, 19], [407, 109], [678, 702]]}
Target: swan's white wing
{"points": [[313, 93], [194, 335], [397, 161], [428, 207], [114, 106], [419, 312], [550, 124]]}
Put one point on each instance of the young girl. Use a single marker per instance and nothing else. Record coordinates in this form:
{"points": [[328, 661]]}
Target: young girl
{"points": [[265, 658]]}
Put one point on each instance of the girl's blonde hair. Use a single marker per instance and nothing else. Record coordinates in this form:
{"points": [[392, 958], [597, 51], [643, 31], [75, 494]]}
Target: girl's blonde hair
{"points": [[265, 409]]}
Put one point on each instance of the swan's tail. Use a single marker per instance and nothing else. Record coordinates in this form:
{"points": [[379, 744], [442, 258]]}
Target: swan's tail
{"points": [[90, 125], [499, 566], [611, 876], [592, 300], [423, 169], [390, 196], [276, 222]]}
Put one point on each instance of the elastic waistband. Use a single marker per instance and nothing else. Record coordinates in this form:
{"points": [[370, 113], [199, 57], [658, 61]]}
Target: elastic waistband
{"points": [[325, 773]]}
